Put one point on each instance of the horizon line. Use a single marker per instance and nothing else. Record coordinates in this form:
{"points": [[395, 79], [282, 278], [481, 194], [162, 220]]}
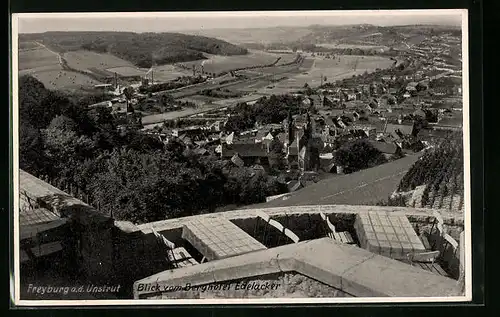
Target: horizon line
{"points": [[249, 28]]}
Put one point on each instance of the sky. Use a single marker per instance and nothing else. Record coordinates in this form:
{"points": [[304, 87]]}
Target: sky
{"points": [[184, 21]]}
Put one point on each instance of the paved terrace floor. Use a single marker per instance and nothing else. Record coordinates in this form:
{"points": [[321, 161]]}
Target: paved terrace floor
{"points": [[218, 238], [364, 187], [348, 268]]}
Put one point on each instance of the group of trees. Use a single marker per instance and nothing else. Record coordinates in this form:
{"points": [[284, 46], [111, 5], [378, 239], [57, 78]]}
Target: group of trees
{"points": [[220, 93], [358, 154], [142, 49], [131, 174], [173, 84], [273, 109]]}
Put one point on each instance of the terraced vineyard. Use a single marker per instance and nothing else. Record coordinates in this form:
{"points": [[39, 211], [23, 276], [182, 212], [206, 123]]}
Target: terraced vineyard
{"points": [[437, 179]]}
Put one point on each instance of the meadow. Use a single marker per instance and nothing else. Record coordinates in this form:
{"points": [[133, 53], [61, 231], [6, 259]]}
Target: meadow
{"points": [[126, 71], [332, 69], [27, 45], [218, 64], [36, 58], [167, 73], [360, 46], [44, 66], [58, 79]]}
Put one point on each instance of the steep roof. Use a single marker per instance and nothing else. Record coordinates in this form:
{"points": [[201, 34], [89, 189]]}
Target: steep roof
{"points": [[329, 121], [294, 185], [404, 128], [457, 122], [244, 150], [262, 133], [200, 151], [283, 137], [293, 149]]}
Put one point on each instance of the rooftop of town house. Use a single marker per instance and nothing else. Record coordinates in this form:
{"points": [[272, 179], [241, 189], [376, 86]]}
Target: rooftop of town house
{"points": [[244, 150], [356, 271], [262, 133], [404, 128], [453, 121]]}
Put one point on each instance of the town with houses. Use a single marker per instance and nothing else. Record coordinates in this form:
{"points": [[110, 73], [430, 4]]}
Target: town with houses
{"points": [[384, 107]]}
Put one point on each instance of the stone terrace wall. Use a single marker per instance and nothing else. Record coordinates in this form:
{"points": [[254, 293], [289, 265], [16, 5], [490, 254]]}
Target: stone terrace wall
{"points": [[348, 268], [280, 285], [414, 214]]}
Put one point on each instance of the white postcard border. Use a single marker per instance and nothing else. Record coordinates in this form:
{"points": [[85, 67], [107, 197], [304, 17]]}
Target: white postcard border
{"points": [[15, 278]]}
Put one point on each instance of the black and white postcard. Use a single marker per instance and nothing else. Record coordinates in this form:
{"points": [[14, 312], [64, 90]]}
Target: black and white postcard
{"points": [[241, 157]]}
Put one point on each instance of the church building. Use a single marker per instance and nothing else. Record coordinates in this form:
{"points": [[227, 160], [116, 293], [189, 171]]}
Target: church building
{"points": [[302, 149]]}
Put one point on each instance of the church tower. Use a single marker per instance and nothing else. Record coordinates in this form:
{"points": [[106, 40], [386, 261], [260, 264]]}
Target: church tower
{"points": [[290, 128], [308, 153]]}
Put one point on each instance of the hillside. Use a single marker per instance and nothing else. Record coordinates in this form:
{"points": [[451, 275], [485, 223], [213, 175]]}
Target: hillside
{"points": [[436, 180], [143, 50], [375, 35], [356, 34], [256, 35]]}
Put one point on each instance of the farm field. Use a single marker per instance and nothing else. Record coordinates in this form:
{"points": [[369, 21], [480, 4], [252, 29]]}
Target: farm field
{"points": [[251, 86], [199, 100], [165, 73], [44, 66], [36, 58], [58, 79], [360, 46], [150, 121], [332, 69], [83, 60], [216, 63], [28, 45], [126, 71]]}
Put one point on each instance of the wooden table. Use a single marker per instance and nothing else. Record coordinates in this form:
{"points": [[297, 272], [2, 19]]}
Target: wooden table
{"points": [[218, 238], [387, 234]]}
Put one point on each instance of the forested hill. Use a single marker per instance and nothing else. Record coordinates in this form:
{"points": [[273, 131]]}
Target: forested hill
{"points": [[142, 49]]}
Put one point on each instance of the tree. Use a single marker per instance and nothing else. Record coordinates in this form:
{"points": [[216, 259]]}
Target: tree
{"points": [[276, 154], [65, 150], [31, 151], [128, 93], [63, 123], [359, 154], [166, 100]]}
